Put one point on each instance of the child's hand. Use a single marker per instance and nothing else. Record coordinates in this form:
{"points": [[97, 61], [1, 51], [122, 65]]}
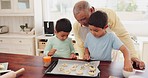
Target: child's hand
{"points": [[73, 56], [86, 56], [128, 65], [52, 51]]}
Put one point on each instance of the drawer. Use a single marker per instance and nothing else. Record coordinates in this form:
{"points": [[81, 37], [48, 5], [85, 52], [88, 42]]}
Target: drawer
{"points": [[42, 45], [22, 41], [22, 49], [4, 41]]}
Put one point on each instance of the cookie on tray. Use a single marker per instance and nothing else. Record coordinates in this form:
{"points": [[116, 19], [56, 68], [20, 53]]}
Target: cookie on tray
{"points": [[92, 68], [79, 72], [92, 73]]}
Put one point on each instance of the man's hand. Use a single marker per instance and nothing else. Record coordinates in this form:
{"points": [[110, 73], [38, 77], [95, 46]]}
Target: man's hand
{"points": [[138, 63]]}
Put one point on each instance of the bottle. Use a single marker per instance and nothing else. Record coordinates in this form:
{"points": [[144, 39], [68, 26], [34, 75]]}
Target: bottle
{"points": [[47, 60]]}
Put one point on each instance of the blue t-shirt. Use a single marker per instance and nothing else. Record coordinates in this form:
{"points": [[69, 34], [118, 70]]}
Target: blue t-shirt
{"points": [[64, 48], [101, 48]]}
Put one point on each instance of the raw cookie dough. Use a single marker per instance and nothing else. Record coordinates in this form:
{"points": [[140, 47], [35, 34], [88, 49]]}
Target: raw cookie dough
{"points": [[80, 72], [64, 65], [61, 69], [92, 68], [92, 73], [1, 66], [67, 72]]}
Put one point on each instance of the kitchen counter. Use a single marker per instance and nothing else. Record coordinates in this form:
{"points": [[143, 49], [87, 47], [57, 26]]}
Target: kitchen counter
{"points": [[16, 35], [34, 66]]}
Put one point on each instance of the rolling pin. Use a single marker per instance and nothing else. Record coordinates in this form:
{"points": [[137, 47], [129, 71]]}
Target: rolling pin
{"points": [[13, 74]]}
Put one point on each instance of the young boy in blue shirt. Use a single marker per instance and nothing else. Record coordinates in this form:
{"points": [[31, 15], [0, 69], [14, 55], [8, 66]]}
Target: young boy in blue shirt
{"points": [[60, 45], [99, 43]]}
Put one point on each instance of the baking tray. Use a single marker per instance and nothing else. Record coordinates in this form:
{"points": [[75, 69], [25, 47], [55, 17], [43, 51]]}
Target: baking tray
{"points": [[55, 67], [4, 70]]}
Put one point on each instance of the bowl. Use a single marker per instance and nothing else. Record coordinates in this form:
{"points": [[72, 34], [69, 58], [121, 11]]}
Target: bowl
{"points": [[126, 74], [135, 76], [27, 29]]}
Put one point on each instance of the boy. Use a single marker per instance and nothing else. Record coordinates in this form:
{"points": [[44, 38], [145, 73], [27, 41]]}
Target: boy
{"points": [[60, 45], [99, 43]]}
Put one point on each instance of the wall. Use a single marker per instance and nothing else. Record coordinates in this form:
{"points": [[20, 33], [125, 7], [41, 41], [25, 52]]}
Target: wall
{"points": [[138, 28]]}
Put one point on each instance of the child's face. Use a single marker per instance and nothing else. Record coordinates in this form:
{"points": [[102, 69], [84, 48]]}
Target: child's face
{"points": [[62, 35], [96, 31]]}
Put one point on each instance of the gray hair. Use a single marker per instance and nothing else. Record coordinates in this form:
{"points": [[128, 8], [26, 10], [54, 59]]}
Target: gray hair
{"points": [[80, 6]]}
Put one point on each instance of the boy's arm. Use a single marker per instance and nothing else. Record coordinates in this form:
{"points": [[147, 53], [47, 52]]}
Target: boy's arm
{"points": [[48, 51], [127, 60], [47, 48], [51, 52], [86, 54]]}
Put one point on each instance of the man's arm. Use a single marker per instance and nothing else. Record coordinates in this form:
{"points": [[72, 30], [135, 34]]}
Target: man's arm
{"points": [[79, 42], [116, 26]]}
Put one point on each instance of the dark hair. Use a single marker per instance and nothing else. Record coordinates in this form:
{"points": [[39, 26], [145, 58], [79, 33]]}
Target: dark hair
{"points": [[63, 25], [98, 19]]}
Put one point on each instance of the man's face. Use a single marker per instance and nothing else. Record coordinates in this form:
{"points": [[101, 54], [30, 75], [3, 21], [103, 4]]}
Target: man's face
{"points": [[83, 17]]}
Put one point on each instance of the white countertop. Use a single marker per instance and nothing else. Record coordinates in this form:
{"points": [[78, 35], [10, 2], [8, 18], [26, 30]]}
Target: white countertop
{"points": [[47, 37], [16, 35]]}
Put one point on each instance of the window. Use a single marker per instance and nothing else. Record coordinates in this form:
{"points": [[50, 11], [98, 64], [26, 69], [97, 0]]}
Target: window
{"points": [[128, 10]]}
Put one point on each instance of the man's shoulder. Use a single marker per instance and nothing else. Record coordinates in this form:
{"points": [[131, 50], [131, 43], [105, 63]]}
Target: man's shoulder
{"points": [[109, 11], [104, 9]]}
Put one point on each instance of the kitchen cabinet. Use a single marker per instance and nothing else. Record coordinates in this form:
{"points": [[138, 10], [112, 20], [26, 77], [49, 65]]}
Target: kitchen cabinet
{"points": [[4, 45], [17, 45], [14, 13], [16, 7]]}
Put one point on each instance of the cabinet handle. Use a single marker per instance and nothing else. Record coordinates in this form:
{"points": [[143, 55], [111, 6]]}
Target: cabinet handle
{"points": [[1, 40], [20, 41]]}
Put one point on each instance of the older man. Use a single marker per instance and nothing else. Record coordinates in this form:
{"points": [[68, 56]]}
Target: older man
{"points": [[82, 12]]}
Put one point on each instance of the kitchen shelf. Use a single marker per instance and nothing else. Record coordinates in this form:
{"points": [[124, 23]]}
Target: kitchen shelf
{"points": [[40, 47]]}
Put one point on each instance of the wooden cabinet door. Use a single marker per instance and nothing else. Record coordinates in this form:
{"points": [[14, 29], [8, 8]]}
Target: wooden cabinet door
{"points": [[16, 7], [23, 46], [6, 6], [23, 6], [4, 45]]}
